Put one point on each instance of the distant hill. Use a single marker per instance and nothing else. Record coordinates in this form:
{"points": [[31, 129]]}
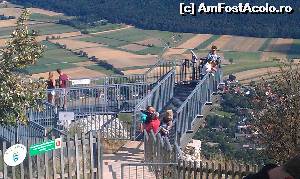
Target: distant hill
{"points": [[164, 15]]}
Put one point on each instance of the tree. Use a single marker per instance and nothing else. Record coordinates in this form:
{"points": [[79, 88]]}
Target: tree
{"points": [[18, 92], [231, 60], [277, 113]]}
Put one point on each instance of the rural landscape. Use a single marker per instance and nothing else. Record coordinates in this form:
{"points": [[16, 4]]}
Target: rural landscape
{"points": [[107, 90], [131, 50]]}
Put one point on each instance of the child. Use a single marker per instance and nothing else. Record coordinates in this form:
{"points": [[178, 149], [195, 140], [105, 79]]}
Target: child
{"points": [[166, 123]]}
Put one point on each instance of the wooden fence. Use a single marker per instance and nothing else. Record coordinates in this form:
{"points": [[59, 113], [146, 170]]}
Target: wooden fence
{"points": [[158, 152], [79, 157]]}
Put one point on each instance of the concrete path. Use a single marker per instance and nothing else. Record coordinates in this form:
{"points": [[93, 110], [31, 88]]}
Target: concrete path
{"points": [[132, 152]]}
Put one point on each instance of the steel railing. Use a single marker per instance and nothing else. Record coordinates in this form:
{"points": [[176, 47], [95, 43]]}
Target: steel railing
{"points": [[108, 123], [158, 97], [107, 80], [101, 98], [194, 103], [12, 133]]}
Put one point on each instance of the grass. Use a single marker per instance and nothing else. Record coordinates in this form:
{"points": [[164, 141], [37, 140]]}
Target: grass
{"points": [[230, 69], [6, 31], [48, 67], [53, 58], [150, 50], [294, 51], [52, 29], [101, 28], [101, 69], [118, 38], [46, 18], [265, 45], [135, 67], [245, 61], [242, 56], [207, 42], [43, 29]]}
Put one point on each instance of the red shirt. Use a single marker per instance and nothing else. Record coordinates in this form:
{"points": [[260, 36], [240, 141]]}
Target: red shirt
{"points": [[154, 125], [63, 80]]}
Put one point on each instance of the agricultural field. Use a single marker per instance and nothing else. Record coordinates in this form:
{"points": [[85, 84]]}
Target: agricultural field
{"points": [[134, 50], [41, 28], [101, 28], [138, 41], [46, 18], [53, 58]]}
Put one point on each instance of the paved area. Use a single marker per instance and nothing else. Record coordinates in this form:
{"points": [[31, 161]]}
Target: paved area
{"points": [[132, 152]]}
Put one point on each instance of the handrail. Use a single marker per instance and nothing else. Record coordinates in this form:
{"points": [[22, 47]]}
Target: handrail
{"points": [[192, 94], [150, 94], [194, 103], [162, 92]]}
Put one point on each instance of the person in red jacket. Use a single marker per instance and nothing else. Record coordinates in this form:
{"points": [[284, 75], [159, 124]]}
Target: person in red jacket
{"points": [[152, 121]]}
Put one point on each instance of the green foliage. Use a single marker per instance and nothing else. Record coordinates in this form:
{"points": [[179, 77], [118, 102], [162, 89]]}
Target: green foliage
{"points": [[277, 111], [18, 93], [231, 101]]}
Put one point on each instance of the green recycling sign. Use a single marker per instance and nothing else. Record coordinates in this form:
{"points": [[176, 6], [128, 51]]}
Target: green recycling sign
{"points": [[41, 148]]}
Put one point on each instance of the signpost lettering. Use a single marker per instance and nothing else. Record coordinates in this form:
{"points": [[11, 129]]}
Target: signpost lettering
{"points": [[41, 148]]}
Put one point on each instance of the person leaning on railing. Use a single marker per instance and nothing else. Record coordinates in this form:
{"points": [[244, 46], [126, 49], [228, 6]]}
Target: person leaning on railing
{"points": [[151, 122], [290, 170], [166, 123]]}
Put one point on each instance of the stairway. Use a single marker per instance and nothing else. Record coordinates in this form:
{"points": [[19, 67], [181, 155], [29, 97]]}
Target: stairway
{"points": [[181, 92]]}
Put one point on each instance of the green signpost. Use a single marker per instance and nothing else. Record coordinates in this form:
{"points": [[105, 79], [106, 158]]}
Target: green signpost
{"points": [[41, 148]]}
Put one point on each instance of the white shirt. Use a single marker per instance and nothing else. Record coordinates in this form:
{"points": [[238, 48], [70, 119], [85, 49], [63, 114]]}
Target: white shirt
{"points": [[215, 57]]}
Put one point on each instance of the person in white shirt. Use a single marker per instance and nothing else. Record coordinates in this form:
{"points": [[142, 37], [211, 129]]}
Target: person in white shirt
{"points": [[213, 56]]}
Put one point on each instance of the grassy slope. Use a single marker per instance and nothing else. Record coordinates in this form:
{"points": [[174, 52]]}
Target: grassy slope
{"points": [[54, 58], [245, 61]]}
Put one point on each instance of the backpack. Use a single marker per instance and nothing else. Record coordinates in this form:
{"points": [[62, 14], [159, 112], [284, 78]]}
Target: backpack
{"points": [[143, 117]]}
